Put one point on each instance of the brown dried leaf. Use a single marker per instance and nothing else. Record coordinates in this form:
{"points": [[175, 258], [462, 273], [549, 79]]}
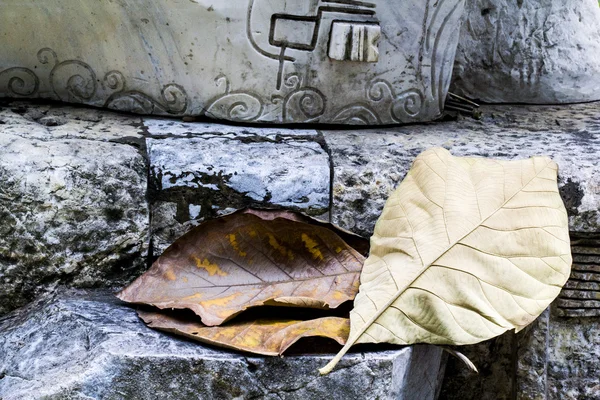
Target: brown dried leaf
{"points": [[229, 264], [357, 242], [266, 337]]}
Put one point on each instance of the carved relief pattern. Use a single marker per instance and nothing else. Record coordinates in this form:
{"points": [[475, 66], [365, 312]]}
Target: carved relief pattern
{"points": [[294, 99], [75, 81]]}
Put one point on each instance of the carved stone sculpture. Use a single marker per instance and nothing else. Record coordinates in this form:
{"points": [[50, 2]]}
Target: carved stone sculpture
{"points": [[536, 51], [311, 61]]}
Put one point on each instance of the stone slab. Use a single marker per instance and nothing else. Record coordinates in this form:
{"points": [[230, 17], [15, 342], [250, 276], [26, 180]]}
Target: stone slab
{"points": [[87, 345], [200, 171], [69, 214], [369, 164], [318, 61], [535, 51]]}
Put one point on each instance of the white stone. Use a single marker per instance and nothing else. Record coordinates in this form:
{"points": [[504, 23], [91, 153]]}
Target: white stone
{"points": [[310, 61], [534, 51]]}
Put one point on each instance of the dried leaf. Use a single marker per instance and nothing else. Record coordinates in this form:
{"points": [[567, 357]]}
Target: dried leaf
{"points": [[357, 242], [466, 249], [266, 337], [227, 265]]}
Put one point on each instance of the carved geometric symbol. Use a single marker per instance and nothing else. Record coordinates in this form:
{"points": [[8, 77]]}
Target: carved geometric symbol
{"points": [[294, 32], [354, 41]]}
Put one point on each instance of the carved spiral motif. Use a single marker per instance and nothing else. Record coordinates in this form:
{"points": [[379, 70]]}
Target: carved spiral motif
{"points": [[45, 54], [293, 81], [115, 80], [20, 81], [303, 105], [377, 89], [357, 114], [80, 78], [404, 107], [407, 105], [236, 107], [175, 98]]}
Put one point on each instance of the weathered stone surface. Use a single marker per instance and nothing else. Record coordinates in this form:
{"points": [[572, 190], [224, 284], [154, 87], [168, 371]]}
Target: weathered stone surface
{"points": [[72, 202], [199, 171], [369, 164], [83, 345], [573, 351], [343, 62], [535, 51], [494, 360], [531, 360]]}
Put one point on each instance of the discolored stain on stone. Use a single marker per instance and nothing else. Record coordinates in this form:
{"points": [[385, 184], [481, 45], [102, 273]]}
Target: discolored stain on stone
{"points": [[572, 195]]}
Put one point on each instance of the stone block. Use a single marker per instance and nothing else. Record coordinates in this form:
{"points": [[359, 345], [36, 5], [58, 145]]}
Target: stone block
{"points": [[73, 204], [537, 51], [200, 171], [238, 60], [85, 344]]}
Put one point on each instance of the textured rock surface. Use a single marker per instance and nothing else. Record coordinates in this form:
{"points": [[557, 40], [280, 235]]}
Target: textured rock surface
{"points": [[69, 213], [356, 62], [199, 171], [369, 164], [538, 51], [87, 345], [59, 166]]}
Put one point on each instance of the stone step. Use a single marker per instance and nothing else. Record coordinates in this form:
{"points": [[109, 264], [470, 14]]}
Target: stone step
{"points": [[88, 345]]}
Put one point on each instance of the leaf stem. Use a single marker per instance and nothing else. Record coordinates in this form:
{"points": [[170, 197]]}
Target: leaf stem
{"points": [[331, 365]]}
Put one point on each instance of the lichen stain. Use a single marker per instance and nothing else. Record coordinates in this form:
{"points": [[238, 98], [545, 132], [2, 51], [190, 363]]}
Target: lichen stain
{"points": [[212, 268], [312, 247], [233, 241]]}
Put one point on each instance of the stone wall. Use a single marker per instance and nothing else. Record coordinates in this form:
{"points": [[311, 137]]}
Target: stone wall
{"points": [[88, 198]]}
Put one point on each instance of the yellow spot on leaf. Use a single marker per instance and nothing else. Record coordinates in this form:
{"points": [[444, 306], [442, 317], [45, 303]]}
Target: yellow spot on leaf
{"points": [[196, 296], [221, 301], [338, 295], [184, 279], [212, 268], [233, 241], [312, 247], [170, 275], [280, 248], [338, 250], [251, 340]]}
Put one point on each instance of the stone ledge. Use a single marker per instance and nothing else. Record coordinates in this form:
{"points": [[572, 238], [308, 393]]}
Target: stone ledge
{"points": [[369, 164], [86, 344]]}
